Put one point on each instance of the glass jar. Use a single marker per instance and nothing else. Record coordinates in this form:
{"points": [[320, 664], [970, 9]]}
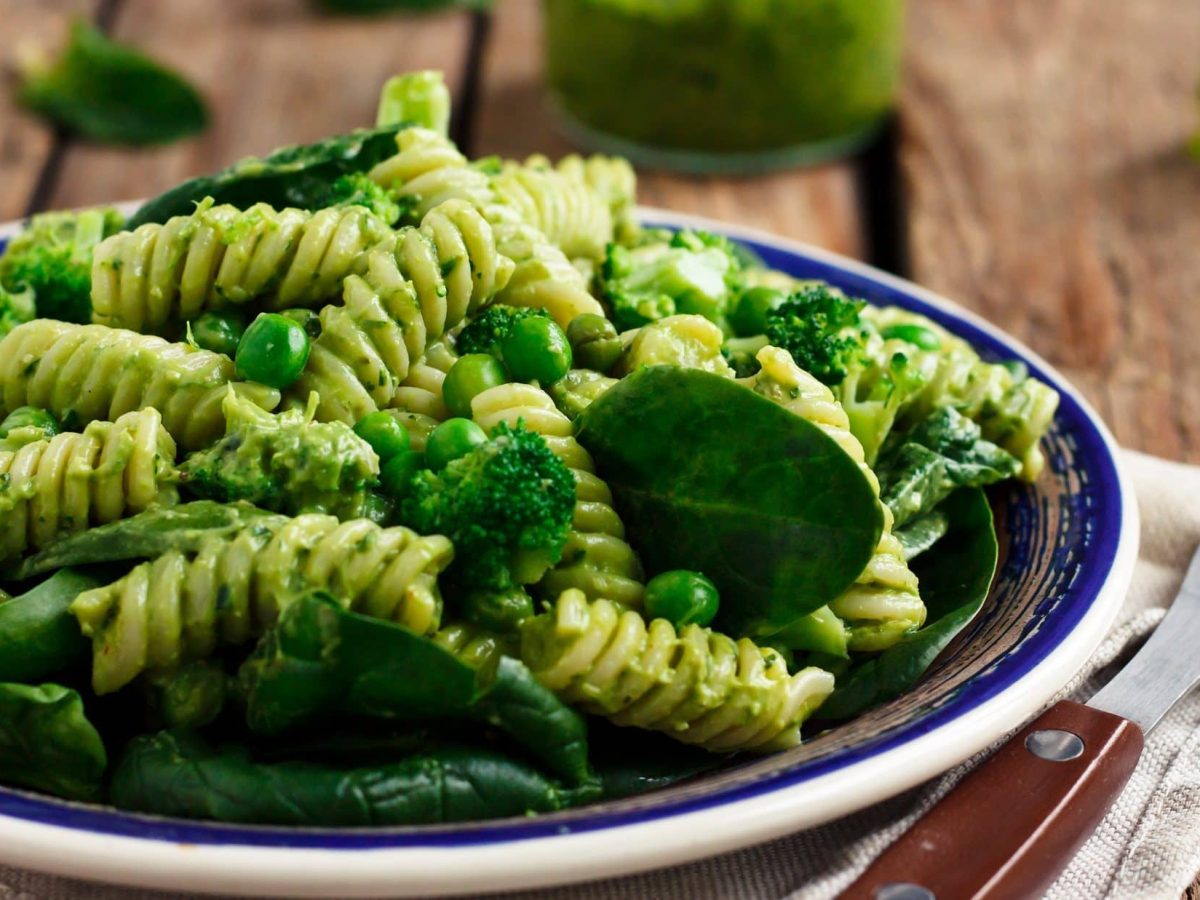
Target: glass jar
{"points": [[723, 85]]}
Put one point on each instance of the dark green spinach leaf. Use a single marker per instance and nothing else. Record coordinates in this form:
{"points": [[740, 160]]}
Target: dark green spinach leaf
{"points": [[322, 662], [922, 533], [710, 476], [112, 93], [945, 452], [301, 176], [178, 774], [147, 535], [37, 631], [955, 578], [47, 743]]}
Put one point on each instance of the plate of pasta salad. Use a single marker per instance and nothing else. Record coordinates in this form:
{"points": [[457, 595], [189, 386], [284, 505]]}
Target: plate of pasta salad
{"points": [[380, 520]]}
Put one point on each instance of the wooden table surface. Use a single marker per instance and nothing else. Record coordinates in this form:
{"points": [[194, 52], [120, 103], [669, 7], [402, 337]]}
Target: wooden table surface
{"points": [[1036, 171]]}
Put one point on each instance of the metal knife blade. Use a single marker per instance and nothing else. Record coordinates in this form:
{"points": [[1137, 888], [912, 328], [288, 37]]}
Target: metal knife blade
{"points": [[1167, 666]]}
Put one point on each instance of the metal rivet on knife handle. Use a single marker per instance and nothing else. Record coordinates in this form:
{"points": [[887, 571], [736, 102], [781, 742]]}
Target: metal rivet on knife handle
{"points": [[901, 890], [1054, 745]]}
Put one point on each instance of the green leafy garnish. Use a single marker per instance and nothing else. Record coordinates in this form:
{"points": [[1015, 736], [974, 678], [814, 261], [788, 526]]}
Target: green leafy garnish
{"points": [[704, 471], [112, 93], [47, 743]]}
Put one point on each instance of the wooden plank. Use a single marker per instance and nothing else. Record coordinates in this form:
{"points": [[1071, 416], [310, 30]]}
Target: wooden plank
{"points": [[818, 205], [25, 141], [274, 71], [1043, 149]]}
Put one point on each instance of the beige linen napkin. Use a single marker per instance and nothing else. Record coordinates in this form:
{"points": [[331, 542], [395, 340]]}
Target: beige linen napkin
{"points": [[1147, 847]]}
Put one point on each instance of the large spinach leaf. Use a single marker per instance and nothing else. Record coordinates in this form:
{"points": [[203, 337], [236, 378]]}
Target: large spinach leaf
{"points": [[955, 578], [920, 534], [710, 476], [945, 452], [47, 743], [178, 774], [110, 92], [322, 662], [147, 535], [300, 176], [38, 634]]}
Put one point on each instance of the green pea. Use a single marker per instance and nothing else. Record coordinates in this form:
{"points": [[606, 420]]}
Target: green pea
{"points": [[29, 417], [468, 377], [594, 341], [682, 598], [499, 611], [536, 350], [749, 315], [918, 335], [218, 331], [386, 436], [397, 473], [273, 351], [450, 440]]}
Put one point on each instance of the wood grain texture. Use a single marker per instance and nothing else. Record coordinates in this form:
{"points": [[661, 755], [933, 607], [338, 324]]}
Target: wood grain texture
{"points": [[25, 141], [1049, 189], [817, 205], [274, 72]]}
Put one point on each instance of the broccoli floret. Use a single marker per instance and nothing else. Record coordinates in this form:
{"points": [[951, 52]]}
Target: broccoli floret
{"points": [[873, 392], [15, 309], [356, 189], [691, 274], [507, 506], [53, 258], [820, 329], [487, 331], [285, 463]]}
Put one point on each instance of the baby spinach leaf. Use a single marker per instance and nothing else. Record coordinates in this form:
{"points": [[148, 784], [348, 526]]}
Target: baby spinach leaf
{"points": [[147, 535], [922, 533], [47, 743], [955, 578], [945, 452], [38, 633], [710, 476], [190, 696], [178, 774], [112, 93], [321, 662], [301, 176]]}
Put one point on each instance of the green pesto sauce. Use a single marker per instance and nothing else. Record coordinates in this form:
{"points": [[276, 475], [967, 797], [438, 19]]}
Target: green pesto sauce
{"points": [[725, 76], [286, 463]]}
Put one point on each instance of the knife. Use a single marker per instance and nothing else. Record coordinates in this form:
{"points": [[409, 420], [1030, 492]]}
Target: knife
{"points": [[1011, 825]]}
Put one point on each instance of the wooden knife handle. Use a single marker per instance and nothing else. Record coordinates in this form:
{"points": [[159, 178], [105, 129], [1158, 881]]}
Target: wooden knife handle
{"points": [[1013, 824]]}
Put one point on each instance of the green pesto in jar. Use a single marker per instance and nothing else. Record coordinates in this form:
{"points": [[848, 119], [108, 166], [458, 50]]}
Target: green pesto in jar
{"points": [[726, 77]]}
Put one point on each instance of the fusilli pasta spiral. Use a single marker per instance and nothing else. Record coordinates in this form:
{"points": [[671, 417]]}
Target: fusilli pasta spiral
{"points": [[158, 276], [67, 483], [421, 392], [428, 170], [438, 274], [181, 606], [1012, 410], [596, 559], [884, 603], [695, 685], [613, 178], [82, 373]]}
